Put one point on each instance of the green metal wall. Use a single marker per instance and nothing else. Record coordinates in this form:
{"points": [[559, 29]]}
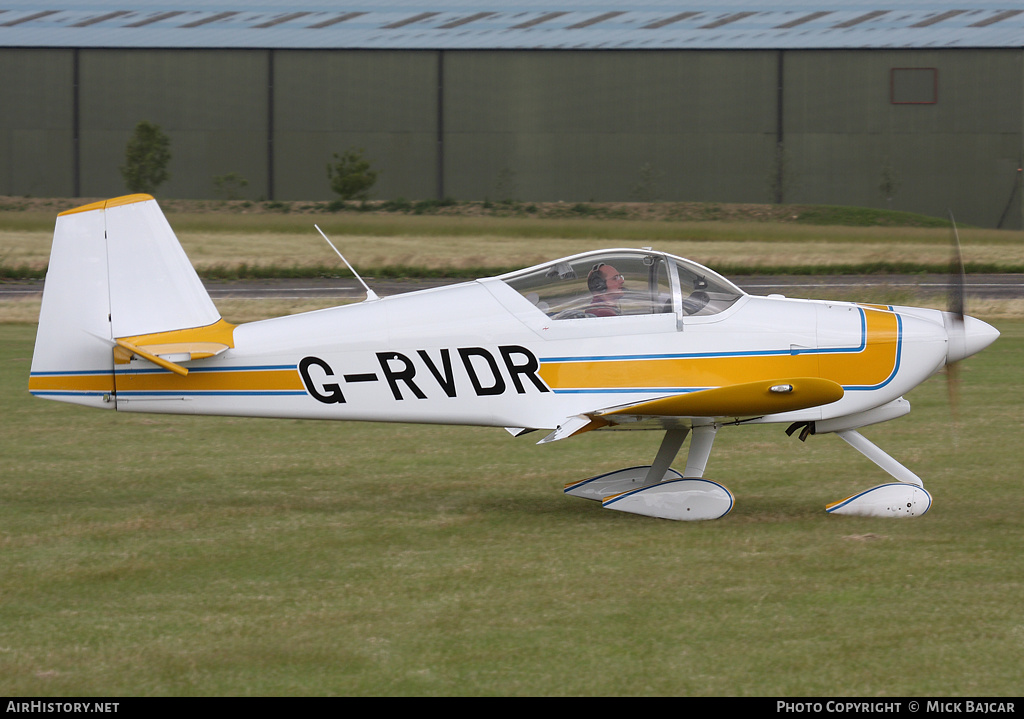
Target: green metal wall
{"points": [[36, 142], [960, 153], [382, 101], [211, 103], [602, 126], [729, 126]]}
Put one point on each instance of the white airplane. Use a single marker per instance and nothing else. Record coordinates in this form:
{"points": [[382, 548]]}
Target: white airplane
{"points": [[615, 339]]}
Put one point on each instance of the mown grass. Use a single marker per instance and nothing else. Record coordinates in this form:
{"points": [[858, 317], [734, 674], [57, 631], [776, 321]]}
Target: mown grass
{"points": [[162, 555]]}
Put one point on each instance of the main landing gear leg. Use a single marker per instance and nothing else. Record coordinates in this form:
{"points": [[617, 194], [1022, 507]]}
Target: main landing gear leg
{"points": [[700, 450], [906, 497], [658, 490], [666, 455]]}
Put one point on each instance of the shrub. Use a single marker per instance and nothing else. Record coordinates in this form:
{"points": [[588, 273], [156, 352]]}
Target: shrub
{"points": [[350, 175], [229, 186]]}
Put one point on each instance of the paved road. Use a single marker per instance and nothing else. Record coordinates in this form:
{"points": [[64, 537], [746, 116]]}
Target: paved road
{"points": [[994, 286]]}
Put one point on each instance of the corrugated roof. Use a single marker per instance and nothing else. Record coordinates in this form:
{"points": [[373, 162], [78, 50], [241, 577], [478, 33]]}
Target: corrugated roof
{"points": [[527, 24]]}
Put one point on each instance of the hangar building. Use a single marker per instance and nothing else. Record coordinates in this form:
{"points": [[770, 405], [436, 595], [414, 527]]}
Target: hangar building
{"points": [[917, 106]]}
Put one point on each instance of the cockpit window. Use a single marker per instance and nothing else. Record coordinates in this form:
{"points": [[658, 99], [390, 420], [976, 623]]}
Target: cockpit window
{"points": [[704, 292], [607, 285], [623, 283]]}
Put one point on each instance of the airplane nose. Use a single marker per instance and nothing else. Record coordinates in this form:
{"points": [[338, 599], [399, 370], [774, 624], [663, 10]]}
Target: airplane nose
{"points": [[967, 336]]}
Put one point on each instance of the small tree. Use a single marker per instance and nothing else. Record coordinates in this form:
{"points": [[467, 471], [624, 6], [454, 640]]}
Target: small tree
{"points": [[230, 186], [646, 190], [889, 184], [350, 175], [505, 186], [146, 158]]}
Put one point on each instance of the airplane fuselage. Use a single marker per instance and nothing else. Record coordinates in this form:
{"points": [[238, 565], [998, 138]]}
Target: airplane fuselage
{"points": [[478, 353]]}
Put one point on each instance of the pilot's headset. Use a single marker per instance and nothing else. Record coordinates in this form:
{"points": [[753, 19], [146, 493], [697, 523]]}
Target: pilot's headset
{"points": [[596, 282]]}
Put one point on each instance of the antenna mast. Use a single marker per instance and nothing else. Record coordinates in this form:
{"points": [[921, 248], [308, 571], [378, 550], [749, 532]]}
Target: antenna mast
{"points": [[370, 294]]}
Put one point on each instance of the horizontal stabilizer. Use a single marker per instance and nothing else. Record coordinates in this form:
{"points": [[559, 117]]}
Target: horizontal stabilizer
{"points": [[184, 351], [131, 349], [166, 349]]}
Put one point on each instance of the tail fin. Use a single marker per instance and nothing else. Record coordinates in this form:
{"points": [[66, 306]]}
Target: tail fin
{"points": [[116, 271]]}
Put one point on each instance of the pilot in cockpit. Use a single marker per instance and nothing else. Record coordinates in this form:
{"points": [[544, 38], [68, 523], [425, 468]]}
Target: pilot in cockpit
{"points": [[607, 286]]}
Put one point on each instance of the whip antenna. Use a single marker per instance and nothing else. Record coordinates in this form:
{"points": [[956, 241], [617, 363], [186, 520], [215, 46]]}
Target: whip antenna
{"points": [[370, 294]]}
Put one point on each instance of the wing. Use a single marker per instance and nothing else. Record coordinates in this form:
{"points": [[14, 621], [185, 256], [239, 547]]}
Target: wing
{"points": [[739, 401]]}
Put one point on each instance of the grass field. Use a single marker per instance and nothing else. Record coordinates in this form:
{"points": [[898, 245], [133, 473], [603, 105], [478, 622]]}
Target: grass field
{"points": [[162, 555]]}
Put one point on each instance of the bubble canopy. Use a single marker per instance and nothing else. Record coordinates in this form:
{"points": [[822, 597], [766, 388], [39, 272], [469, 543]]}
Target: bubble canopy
{"points": [[614, 283]]}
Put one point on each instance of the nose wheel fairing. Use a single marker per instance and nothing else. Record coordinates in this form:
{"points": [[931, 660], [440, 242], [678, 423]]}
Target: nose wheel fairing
{"points": [[897, 499]]}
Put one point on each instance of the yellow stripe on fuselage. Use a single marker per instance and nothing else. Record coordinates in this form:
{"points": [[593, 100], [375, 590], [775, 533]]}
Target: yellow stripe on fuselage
{"points": [[54, 382], [868, 365], [253, 380], [241, 380]]}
